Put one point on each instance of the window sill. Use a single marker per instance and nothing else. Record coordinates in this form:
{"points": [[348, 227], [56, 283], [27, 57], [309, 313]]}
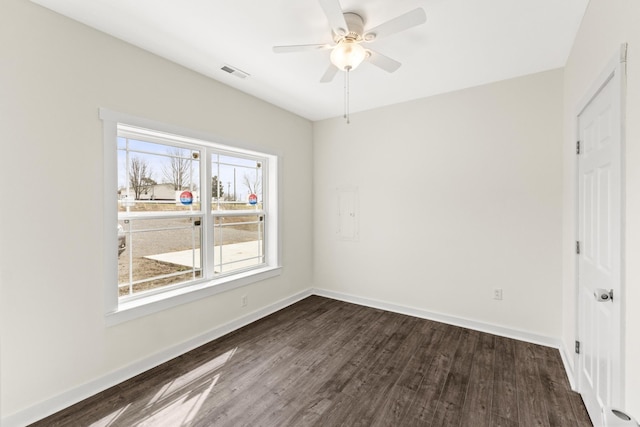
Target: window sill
{"points": [[154, 303]]}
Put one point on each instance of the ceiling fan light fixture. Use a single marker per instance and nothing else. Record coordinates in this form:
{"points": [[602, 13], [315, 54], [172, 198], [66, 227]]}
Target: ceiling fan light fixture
{"points": [[347, 55]]}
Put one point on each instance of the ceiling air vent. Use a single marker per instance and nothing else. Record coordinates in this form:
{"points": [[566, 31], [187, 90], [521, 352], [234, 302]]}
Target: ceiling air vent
{"points": [[234, 71]]}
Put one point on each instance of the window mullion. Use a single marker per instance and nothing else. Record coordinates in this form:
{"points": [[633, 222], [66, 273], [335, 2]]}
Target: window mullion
{"points": [[207, 247]]}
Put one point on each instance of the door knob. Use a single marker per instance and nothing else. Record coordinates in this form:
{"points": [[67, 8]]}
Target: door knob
{"points": [[603, 295]]}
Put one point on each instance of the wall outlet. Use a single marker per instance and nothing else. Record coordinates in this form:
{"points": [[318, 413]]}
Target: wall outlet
{"points": [[497, 294], [243, 301]]}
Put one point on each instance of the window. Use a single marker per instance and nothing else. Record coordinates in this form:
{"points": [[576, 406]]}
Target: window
{"points": [[192, 214]]}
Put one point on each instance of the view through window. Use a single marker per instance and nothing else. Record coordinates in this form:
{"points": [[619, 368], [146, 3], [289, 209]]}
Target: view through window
{"points": [[188, 211]]}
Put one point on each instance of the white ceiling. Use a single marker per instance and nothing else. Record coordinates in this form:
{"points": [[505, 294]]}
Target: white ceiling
{"points": [[464, 43]]}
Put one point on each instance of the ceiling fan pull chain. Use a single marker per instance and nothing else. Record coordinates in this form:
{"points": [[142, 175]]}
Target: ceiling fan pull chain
{"points": [[346, 95], [344, 101]]}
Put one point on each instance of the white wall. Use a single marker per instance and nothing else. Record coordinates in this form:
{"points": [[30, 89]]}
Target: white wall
{"points": [[54, 75], [605, 26], [459, 194]]}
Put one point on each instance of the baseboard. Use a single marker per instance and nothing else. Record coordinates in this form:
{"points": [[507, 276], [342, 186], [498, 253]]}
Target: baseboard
{"points": [[75, 395], [568, 366], [438, 317]]}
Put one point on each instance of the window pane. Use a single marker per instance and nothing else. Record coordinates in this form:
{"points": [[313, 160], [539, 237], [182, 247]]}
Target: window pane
{"points": [[238, 242], [158, 253], [157, 177], [236, 183]]}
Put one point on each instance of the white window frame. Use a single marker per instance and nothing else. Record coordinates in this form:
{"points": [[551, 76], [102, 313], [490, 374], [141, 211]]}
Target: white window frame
{"points": [[118, 311]]}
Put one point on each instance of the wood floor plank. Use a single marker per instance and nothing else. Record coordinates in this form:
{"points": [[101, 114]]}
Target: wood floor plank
{"points": [[322, 362], [532, 410], [555, 388], [384, 373], [477, 404], [504, 406], [499, 421], [395, 331], [398, 400], [328, 388], [368, 346], [422, 410], [258, 395], [308, 371], [450, 404], [579, 410], [361, 369]]}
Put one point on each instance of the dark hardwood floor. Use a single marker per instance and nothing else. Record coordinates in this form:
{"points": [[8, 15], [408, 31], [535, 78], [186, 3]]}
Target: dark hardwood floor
{"points": [[322, 362]]}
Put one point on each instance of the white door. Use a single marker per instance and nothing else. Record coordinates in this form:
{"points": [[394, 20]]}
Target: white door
{"points": [[600, 246]]}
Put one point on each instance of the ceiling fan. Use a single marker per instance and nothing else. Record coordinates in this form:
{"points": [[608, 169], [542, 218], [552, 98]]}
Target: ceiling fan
{"points": [[348, 33]]}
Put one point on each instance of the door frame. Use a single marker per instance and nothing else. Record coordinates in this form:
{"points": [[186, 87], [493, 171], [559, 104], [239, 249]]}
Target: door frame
{"points": [[615, 71]]}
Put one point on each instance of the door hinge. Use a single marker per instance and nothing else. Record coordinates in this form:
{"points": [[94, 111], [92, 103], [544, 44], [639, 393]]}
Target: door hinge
{"points": [[577, 347], [578, 247], [577, 147]]}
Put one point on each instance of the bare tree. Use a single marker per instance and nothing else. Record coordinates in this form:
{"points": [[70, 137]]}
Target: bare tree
{"points": [[139, 176], [177, 171], [253, 182]]}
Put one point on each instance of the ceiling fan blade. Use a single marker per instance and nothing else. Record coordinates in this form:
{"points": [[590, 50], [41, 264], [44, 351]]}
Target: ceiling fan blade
{"points": [[384, 62], [397, 24], [300, 48], [335, 16], [329, 74]]}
